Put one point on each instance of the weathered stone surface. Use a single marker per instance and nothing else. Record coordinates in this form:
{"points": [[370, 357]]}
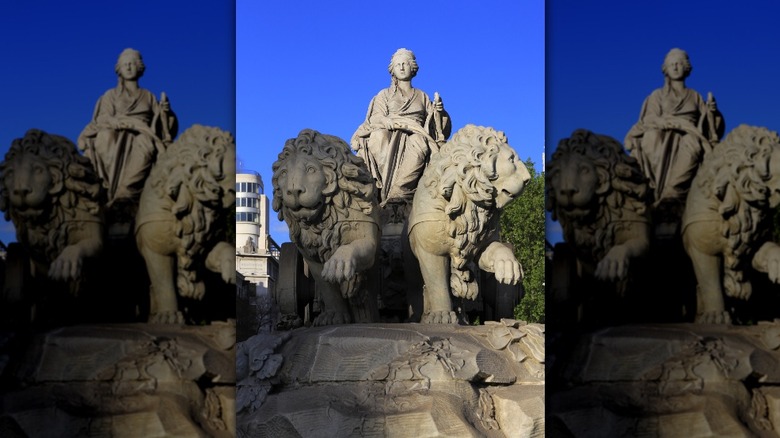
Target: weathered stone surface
{"points": [[406, 380], [669, 380], [520, 410], [123, 380]]}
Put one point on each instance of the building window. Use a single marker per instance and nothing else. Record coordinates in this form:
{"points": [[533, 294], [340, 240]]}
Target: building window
{"points": [[243, 216]]}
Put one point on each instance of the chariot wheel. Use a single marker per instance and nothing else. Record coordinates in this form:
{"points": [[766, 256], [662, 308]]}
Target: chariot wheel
{"points": [[500, 299], [293, 292], [562, 281]]}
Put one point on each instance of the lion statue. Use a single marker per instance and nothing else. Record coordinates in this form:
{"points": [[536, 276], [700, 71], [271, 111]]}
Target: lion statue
{"points": [[326, 195], [726, 224], [53, 197], [180, 224], [454, 220], [599, 195]]}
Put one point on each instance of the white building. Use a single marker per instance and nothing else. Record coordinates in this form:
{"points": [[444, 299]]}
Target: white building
{"points": [[257, 255]]}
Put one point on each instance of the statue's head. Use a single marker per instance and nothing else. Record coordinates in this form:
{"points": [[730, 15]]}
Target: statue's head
{"points": [[130, 65], [403, 55], [680, 57]]}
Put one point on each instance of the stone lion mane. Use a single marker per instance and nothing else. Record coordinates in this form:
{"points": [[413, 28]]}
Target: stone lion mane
{"points": [[625, 194], [735, 174], [462, 173], [78, 197], [354, 191], [190, 173]]}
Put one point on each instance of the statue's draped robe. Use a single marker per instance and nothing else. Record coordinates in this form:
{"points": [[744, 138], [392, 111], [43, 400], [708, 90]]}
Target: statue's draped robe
{"points": [[123, 157], [397, 158], [670, 157]]}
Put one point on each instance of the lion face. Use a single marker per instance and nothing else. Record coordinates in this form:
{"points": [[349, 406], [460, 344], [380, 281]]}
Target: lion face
{"points": [[575, 183], [512, 178], [302, 181], [30, 184]]}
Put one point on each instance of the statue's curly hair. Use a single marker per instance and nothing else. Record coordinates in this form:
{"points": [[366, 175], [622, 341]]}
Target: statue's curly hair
{"points": [[626, 190], [75, 193], [191, 173], [736, 174]]}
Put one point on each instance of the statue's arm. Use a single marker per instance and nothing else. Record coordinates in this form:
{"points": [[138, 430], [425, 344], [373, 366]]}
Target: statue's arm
{"points": [[378, 115]]}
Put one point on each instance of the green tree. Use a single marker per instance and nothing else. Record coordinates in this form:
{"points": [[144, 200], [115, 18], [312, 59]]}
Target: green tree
{"points": [[522, 225]]}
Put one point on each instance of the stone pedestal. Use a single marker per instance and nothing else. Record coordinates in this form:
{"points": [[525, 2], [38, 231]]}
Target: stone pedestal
{"points": [[121, 380], [677, 380], [396, 380]]}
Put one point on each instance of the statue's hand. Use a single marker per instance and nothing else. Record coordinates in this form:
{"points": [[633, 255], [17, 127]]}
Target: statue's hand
{"points": [[165, 105], [712, 105], [67, 266], [614, 266], [438, 105]]}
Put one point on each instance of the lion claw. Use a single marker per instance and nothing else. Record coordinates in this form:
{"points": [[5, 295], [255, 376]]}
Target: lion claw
{"points": [[440, 317], [167, 317], [713, 317]]}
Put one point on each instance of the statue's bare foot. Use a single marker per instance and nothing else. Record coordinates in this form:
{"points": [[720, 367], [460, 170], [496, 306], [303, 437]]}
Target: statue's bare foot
{"points": [[440, 317], [168, 317], [713, 317], [332, 318]]}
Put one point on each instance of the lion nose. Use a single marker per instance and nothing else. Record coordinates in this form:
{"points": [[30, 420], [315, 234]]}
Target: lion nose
{"points": [[295, 190], [21, 191], [568, 191]]}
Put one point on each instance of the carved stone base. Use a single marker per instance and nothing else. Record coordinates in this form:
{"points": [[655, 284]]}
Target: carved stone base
{"points": [[397, 380], [667, 380], [120, 380]]}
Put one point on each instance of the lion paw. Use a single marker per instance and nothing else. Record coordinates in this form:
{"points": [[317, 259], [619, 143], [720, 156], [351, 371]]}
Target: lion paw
{"points": [[332, 318], [440, 317], [713, 317], [167, 317]]}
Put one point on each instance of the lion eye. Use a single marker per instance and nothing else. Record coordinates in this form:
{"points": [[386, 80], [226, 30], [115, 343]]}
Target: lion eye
{"points": [[311, 169]]}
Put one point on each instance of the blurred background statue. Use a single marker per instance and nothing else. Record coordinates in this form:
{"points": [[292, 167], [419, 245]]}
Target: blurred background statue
{"points": [[128, 129], [676, 128]]}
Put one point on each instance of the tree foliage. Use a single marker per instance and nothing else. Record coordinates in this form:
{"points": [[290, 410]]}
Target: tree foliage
{"points": [[522, 225]]}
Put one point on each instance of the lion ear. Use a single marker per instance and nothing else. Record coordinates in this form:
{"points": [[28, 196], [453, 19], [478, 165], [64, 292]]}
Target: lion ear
{"points": [[57, 180]]}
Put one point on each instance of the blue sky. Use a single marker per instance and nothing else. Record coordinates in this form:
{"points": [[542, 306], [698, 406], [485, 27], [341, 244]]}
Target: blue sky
{"points": [[603, 61], [58, 59], [314, 64]]}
